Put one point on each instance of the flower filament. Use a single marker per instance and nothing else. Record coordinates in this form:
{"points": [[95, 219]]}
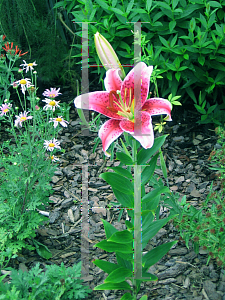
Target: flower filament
{"points": [[127, 111]]}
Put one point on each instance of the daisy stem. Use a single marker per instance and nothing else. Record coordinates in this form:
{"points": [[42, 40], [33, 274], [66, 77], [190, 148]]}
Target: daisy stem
{"points": [[137, 267], [20, 99]]}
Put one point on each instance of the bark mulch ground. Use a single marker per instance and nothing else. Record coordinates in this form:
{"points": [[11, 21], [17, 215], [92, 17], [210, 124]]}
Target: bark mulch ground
{"points": [[182, 274]]}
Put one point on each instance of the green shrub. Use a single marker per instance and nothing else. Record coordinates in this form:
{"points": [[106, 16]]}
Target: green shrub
{"points": [[58, 282], [185, 39]]}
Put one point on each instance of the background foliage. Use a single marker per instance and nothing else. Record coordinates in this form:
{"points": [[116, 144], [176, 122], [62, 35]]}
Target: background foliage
{"points": [[183, 38], [32, 25]]}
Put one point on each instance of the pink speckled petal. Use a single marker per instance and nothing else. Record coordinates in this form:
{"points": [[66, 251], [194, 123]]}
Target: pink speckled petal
{"points": [[138, 78], [97, 101], [158, 106], [146, 136], [112, 81], [108, 133]]}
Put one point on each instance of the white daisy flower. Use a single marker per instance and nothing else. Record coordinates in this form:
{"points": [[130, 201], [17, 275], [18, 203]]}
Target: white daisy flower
{"points": [[51, 104], [21, 118], [25, 83], [59, 120], [51, 145], [5, 108], [54, 158], [52, 93], [28, 66]]}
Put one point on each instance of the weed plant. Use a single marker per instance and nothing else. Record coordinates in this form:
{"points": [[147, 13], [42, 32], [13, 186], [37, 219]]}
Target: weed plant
{"points": [[206, 227]]}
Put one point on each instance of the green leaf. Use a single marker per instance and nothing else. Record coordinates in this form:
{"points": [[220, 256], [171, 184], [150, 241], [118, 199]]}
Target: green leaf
{"points": [[163, 5], [200, 109], [103, 4], [118, 275], [201, 60], [113, 286], [177, 75], [42, 250], [106, 266], [164, 42], [156, 192], [125, 199], [153, 256], [172, 24], [163, 165], [129, 6], [145, 154], [122, 237], [117, 11], [118, 182], [145, 297], [148, 5], [109, 229], [114, 247], [124, 158], [173, 42], [150, 277], [149, 170], [122, 171], [214, 4], [150, 231], [127, 296], [211, 109]]}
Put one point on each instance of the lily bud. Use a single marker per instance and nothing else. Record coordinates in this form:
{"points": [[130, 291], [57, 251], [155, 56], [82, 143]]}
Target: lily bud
{"points": [[107, 55]]}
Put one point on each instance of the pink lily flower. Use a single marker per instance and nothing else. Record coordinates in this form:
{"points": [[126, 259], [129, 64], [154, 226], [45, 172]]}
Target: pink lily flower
{"points": [[125, 112]]}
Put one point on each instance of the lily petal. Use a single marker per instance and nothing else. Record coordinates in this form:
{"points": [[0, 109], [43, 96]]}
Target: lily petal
{"points": [[146, 138], [140, 74], [97, 101], [112, 81], [108, 133], [158, 106]]}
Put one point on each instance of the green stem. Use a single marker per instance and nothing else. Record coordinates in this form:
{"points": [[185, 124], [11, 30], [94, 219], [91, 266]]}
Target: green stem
{"points": [[82, 117], [137, 268]]}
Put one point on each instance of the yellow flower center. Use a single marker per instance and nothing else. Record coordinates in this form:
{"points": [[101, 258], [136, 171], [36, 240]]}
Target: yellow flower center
{"points": [[30, 65], [58, 119], [23, 81], [52, 157], [6, 110], [52, 103], [51, 145], [127, 111], [51, 95], [23, 119]]}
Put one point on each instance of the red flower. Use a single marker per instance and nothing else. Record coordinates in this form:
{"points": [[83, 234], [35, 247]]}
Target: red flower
{"points": [[10, 49], [3, 37]]}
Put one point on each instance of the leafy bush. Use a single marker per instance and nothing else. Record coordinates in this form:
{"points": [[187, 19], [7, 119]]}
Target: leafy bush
{"points": [[58, 282], [185, 39]]}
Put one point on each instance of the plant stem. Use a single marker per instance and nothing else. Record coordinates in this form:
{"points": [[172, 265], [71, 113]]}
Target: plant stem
{"points": [[137, 268]]}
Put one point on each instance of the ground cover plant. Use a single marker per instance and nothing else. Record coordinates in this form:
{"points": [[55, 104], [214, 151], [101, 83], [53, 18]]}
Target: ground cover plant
{"points": [[206, 227], [57, 282]]}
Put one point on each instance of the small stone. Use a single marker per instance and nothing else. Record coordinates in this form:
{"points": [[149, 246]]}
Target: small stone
{"points": [[67, 202], [53, 216], [195, 193], [55, 179], [70, 215]]}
